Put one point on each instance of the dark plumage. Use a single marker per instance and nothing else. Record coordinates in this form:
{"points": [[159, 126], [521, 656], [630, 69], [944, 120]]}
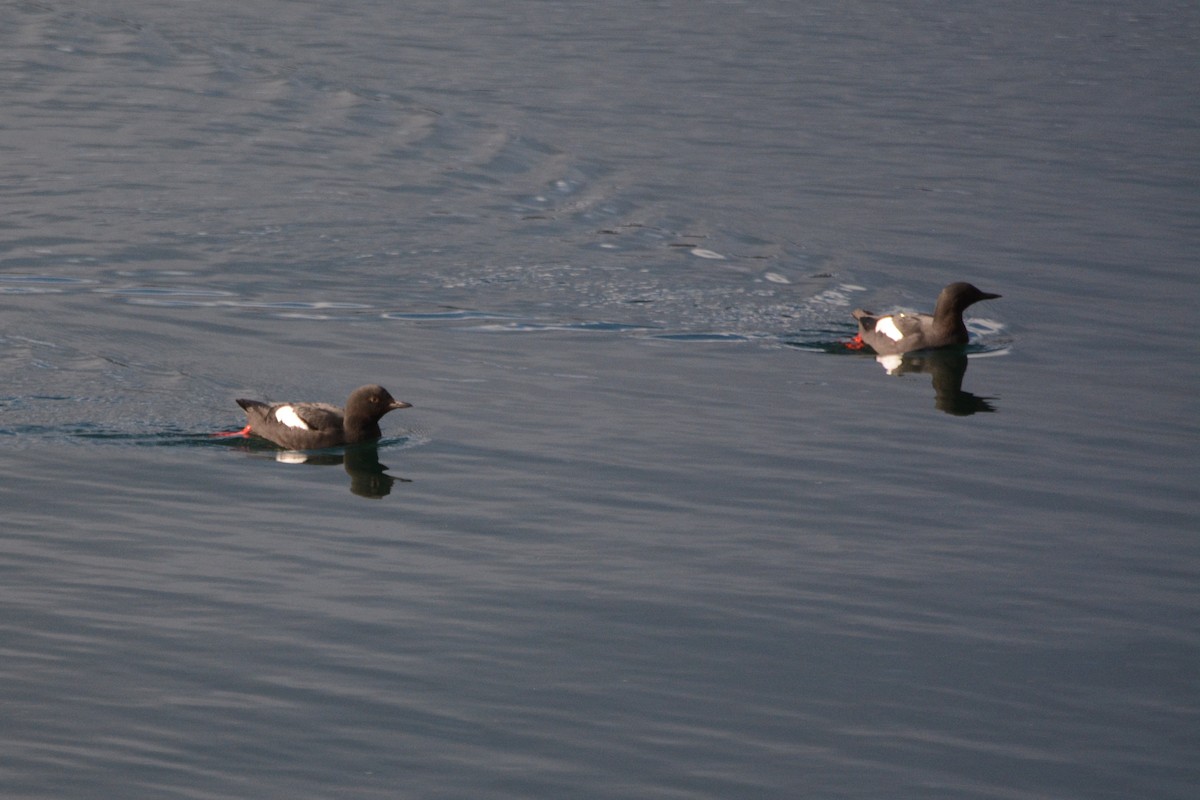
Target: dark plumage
{"points": [[902, 333], [311, 426]]}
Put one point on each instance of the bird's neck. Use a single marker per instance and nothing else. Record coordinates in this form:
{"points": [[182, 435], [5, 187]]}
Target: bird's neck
{"points": [[948, 320], [360, 428]]}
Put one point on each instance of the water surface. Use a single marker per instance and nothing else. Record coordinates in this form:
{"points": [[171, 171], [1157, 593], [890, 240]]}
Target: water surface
{"points": [[649, 530]]}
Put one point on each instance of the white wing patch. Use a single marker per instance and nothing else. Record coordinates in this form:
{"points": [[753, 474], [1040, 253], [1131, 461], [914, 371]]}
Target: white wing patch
{"points": [[888, 328], [287, 415]]}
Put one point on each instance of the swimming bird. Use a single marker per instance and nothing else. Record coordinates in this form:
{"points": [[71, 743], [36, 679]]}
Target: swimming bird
{"points": [[902, 333], [312, 426]]}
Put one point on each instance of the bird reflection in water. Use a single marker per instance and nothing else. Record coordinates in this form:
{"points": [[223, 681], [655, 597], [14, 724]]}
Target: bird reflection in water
{"points": [[368, 477], [946, 367]]}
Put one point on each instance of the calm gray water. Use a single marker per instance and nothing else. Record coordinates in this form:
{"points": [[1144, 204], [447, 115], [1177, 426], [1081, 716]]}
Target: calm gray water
{"points": [[649, 531]]}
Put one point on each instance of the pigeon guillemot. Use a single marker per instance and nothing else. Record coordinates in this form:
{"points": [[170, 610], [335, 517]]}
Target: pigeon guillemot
{"points": [[902, 333], [312, 426]]}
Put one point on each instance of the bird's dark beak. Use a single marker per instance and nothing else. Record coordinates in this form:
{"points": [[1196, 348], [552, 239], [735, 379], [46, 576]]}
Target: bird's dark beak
{"points": [[988, 296], [396, 405]]}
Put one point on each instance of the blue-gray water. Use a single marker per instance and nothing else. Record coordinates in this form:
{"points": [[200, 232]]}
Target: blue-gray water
{"points": [[649, 531]]}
